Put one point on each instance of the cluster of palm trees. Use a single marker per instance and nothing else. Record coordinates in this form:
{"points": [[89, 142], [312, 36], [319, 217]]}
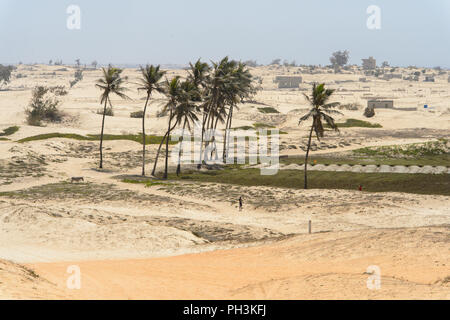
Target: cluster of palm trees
{"points": [[207, 96]]}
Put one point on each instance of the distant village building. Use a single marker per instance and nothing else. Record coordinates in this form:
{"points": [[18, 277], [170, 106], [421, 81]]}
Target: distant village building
{"points": [[448, 80], [362, 79], [288, 81], [380, 104], [369, 64], [429, 79]]}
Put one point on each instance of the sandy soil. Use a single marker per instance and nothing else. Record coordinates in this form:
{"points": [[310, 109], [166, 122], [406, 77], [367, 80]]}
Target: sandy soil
{"points": [[413, 264], [184, 240]]}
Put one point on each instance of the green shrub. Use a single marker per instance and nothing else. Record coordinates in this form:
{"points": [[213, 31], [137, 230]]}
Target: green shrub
{"points": [[357, 123], [43, 107], [109, 111], [268, 110], [137, 114], [9, 131]]}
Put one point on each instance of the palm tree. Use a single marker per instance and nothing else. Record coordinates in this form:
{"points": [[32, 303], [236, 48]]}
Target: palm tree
{"points": [[150, 81], [173, 93], [241, 88], [111, 82], [217, 93], [185, 111], [200, 77], [320, 110]]}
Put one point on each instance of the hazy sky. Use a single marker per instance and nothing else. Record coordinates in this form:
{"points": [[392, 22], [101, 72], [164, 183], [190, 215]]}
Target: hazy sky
{"points": [[177, 31]]}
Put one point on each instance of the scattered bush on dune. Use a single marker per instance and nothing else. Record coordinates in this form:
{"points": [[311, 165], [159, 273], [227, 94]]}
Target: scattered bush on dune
{"points": [[9, 131], [137, 114], [43, 107], [268, 110], [108, 112]]}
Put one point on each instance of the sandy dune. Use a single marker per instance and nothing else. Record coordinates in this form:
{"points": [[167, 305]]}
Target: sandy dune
{"points": [[413, 264], [187, 240]]}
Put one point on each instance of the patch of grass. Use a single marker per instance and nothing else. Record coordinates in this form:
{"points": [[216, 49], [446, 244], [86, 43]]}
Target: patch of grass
{"points": [[9, 131], [81, 191], [148, 183], [435, 160], [259, 125], [4, 139], [91, 137], [244, 128], [268, 110], [372, 182], [349, 123], [262, 125], [433, 148]]}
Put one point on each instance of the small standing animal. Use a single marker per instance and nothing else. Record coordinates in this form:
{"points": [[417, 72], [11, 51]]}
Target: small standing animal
{"points": [[76, 179]]}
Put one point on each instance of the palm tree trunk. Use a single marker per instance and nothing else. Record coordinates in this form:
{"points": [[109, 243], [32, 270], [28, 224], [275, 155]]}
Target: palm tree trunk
{"points": [[214, 150], [307, 155], [205, 116], [159, 150], [101, 134], [143, 135], [227, 134], [167, 147], [181, 144]]}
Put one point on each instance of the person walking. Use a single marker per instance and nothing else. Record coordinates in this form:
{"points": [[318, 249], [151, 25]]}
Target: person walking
{"points": [[240, 203]]}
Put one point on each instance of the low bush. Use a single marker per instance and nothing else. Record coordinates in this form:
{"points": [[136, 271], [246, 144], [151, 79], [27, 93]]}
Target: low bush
{"points": [[43, 107], [9, 131], [137, 114], [268, 110], [109, 111]]}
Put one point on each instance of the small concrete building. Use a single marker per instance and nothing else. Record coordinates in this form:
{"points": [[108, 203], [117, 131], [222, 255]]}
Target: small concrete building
{"points": [[381, 104], [369, 64], [429, 79], [448, 80], [288, 81]]}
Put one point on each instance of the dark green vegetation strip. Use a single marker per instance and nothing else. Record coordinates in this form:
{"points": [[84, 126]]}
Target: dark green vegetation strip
{"points": [[9, 131], [373, 182], [259, 125], [436, 160], [268, 110], [91, 137], [349, 123], [433, 153]]}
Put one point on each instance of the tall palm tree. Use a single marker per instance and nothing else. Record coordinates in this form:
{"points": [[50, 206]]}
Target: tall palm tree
{"points": [[200, 77], [320, 110], [110, 83], [241, 88], [185, 111], [173, 93], [217, 93], [150, 81], [198, 73]]}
